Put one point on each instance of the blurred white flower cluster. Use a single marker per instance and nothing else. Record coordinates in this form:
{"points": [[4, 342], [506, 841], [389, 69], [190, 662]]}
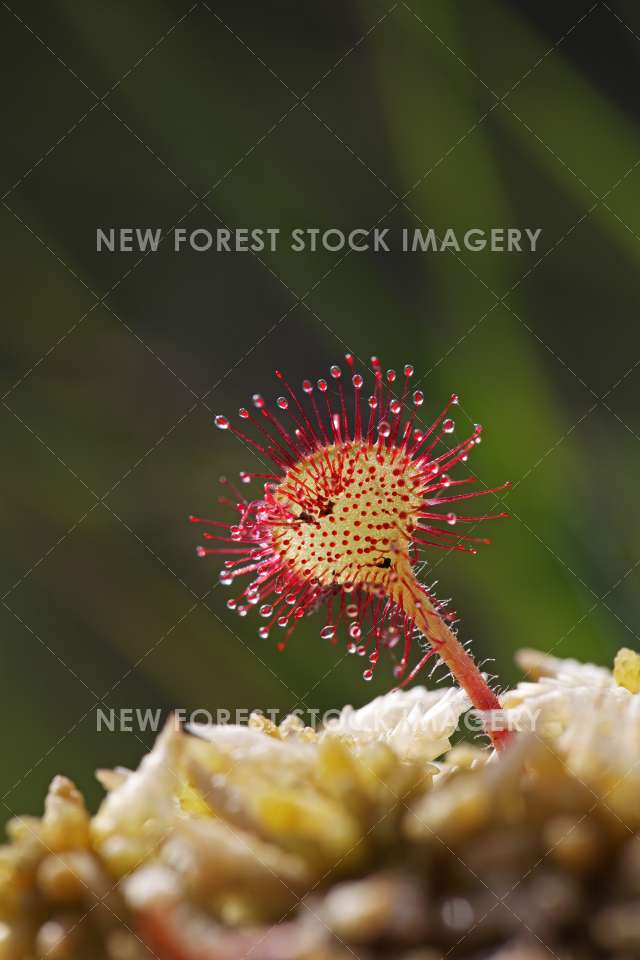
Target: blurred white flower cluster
{"points": [[224, 830]]}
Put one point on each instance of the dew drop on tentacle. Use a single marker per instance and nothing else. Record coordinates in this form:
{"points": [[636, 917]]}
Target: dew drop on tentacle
{"points": [[391, 637], [418, 397], [384, 429], [448, 425], [328, 632], [221, 422]]}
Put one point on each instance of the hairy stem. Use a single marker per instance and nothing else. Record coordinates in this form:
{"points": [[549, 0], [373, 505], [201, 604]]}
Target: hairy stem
{"points": [[447, 646]]}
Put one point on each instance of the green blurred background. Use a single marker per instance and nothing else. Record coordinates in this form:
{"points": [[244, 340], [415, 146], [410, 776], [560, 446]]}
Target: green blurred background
{"points": [[301, 114]]}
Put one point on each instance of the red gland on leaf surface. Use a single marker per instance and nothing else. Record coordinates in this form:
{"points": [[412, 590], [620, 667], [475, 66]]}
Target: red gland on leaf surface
{"points": [[362, 488]]}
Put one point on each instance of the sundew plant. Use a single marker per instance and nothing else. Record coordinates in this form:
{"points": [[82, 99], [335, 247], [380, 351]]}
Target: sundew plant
{"points": [[360, 490]]}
